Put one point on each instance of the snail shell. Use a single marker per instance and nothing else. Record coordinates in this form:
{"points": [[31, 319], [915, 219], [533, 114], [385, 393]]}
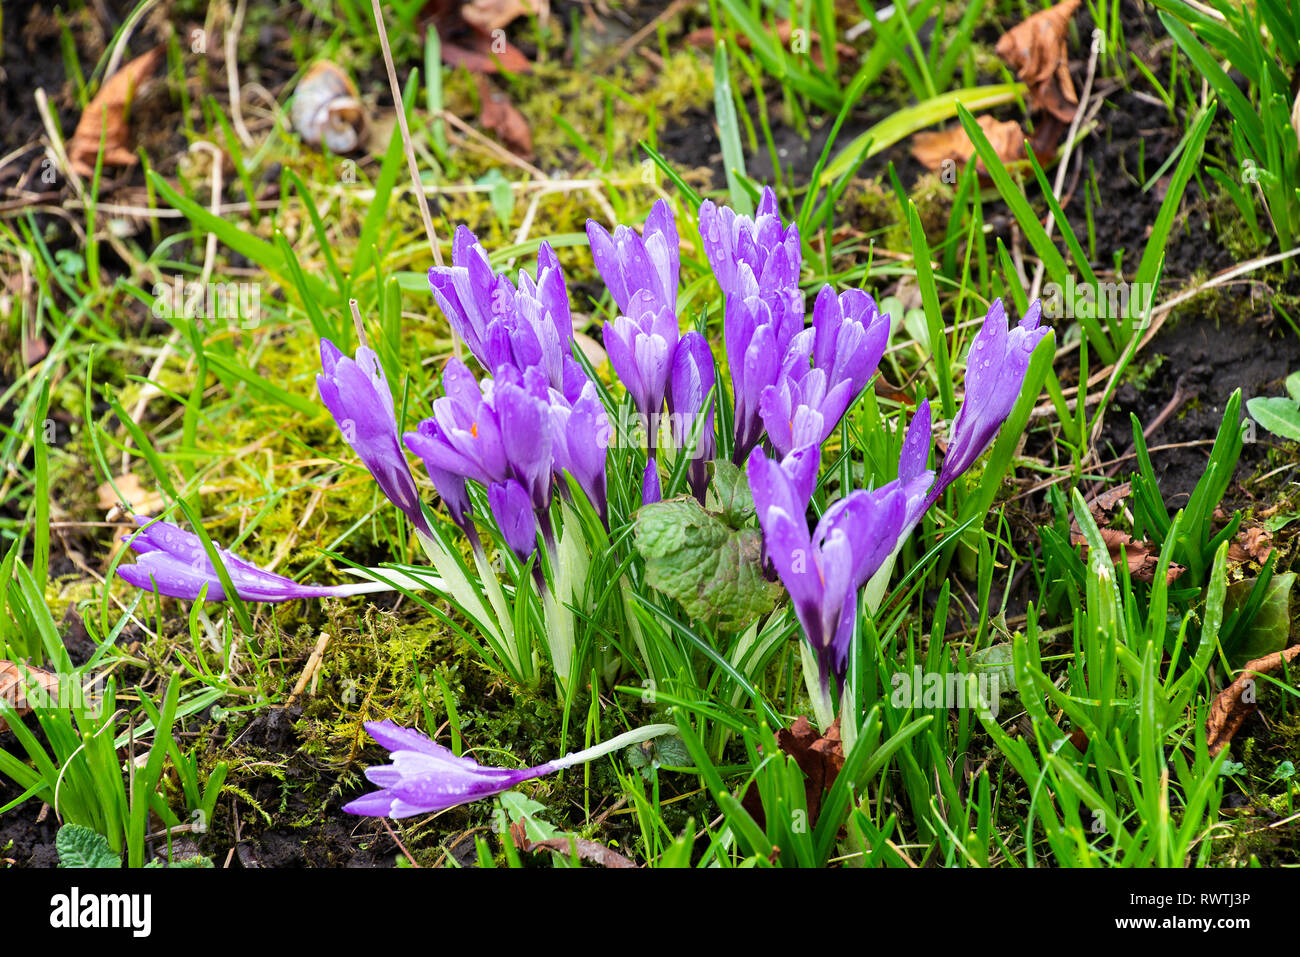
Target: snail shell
{"points": [[327, 109]]}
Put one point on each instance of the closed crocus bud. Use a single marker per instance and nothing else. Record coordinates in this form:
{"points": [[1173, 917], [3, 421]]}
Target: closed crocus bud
{"points": [[692, 380], [754, 362], [640, 347], [629, 263], [470, 293], [513, 510], [581, 435], [995, 373], [522, 404], [356, 393]]}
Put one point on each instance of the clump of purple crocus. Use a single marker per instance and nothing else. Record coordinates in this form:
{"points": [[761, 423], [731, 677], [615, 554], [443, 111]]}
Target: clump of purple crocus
{"points": [[824, 569], [643, 342]]}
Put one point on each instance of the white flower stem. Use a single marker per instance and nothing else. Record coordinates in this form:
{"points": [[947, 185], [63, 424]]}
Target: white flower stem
{"points": [[613, 744]]}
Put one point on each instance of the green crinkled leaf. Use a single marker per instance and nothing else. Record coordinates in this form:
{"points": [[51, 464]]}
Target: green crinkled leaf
{"points": [[1280, 416], [197, 860], [81, 847], [714, 571], [731, 490], [1270, 630]]}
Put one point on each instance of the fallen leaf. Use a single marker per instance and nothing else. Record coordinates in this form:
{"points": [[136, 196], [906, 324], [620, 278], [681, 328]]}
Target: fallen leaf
{"points": [[488, 15], [820, 758], [933, 149], [1251, 544], [1142, 559], [15, 680], [1234, 705], [1036, 50], [466, 44], [592, 851], [1105, 503], [498, 115], [105, 117], [142, 500]]}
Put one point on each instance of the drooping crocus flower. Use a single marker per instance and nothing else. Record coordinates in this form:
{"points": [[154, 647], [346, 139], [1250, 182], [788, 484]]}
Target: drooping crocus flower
{"points": [[692, 379], [630, 263], [513, 510], [424, 777], [823, 570], [356, 393], [173, 562], [995, 373], [580, 435]]}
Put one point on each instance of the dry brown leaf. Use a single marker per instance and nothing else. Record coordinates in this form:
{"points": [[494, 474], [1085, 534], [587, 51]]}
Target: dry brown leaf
{"points": [[592, 851], [468, 45], [498, 115], [820, 758], [109, 106], [488, 15], [1105, 503], [1251, 545], [1036, 50], [16, 679], [142, 501], [932, 149], [1230, 709], [1142, 559]]}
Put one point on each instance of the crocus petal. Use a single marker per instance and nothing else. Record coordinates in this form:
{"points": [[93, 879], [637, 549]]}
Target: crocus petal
{"points": [[513, 510]]}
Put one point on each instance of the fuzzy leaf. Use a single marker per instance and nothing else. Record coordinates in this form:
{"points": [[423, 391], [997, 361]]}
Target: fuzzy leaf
{"points": [[715, 572], [81, 847]]}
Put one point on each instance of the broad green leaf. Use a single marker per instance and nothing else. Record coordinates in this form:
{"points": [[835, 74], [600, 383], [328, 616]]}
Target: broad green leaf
{"points": [[1270, 630], [715, 572], [81, 847], [731, 491], [1279, 415]]}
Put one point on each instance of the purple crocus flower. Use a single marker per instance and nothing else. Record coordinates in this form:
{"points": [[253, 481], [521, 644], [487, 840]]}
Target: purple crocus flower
{"points": [[513, 510], [356, 393], [995, 373], [463, 438], [173, 562], [523, 408], [424, 777], [754, 352], [823, 570], [759, 256], [692, 380], [580, 437], [640, 346], [630, 263], [471, 294], [846, 343]]}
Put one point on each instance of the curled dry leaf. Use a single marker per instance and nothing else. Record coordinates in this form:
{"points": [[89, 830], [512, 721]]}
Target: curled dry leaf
{"points": [[466, 43], [932, 149], [592, 851], [1236, 702], [1251, 544], [488, 15], [1036, 50], [498, 115], [820, 758], [1142, 559], [15, 680], [105, 117], [141, 500]]}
